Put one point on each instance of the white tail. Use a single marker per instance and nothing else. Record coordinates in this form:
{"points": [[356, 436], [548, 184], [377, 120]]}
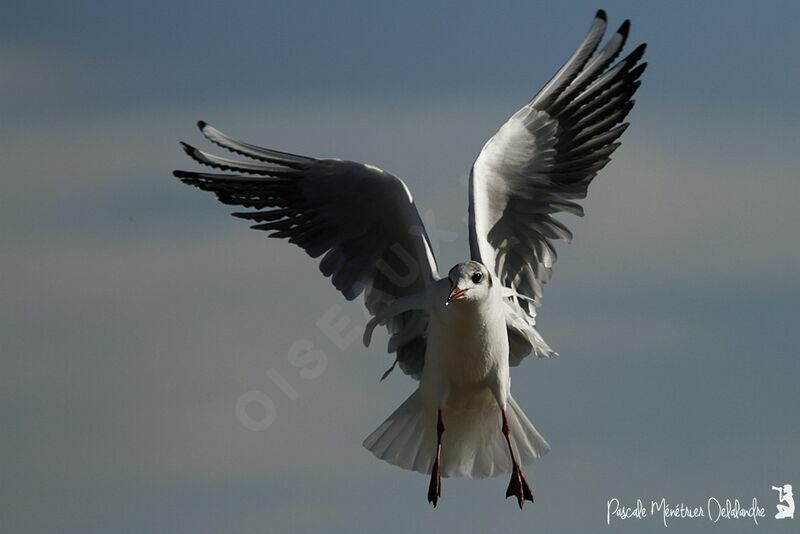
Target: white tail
{"points": [[472, 444]]}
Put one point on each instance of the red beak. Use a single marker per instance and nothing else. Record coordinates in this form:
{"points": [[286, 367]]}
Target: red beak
{"points": [[456, 293]]}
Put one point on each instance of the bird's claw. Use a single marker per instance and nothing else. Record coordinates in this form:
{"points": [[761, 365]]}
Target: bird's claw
{"points": [[435, 486], [518, 487]]}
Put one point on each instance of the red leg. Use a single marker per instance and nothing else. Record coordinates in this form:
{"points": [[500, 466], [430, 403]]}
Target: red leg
{"points": [[435, 487], [518, 486]]}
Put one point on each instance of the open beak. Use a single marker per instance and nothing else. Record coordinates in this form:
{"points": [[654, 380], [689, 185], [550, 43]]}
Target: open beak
{"points": [[456, 293]]}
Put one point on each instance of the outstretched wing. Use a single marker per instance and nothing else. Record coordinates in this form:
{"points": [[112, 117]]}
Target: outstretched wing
{"points": [[539, 163], [360, 219]]}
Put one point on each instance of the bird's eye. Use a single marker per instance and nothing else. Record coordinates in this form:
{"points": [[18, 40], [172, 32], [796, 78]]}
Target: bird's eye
{"points": [[476, 278]]}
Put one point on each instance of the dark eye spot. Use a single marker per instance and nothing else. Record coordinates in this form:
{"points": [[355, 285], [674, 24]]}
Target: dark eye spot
{"points": [[476, 278]]}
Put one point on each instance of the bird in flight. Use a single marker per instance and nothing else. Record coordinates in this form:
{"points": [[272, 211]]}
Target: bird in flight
{"points": [[460, 333]]}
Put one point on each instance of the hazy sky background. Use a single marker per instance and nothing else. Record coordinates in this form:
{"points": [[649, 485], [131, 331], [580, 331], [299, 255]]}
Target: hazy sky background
{"points": [[134, 312]]}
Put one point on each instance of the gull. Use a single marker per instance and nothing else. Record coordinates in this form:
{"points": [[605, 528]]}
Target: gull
{"points": [[458, 334]]}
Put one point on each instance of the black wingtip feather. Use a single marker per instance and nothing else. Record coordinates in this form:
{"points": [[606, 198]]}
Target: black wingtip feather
{"points": [[638, 71], [625, 28], [634, 57], [601, 14], [639, 51]]}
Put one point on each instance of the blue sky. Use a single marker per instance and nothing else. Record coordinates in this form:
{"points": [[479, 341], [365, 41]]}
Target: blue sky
{"points": [[135, 312]]}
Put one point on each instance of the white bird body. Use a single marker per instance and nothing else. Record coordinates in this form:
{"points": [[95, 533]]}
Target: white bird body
{"points": [[467, 343], [466, 376], [460, 334]]}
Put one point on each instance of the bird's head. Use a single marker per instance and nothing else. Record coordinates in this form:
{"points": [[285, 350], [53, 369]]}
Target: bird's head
{"points": [[470, 282]]}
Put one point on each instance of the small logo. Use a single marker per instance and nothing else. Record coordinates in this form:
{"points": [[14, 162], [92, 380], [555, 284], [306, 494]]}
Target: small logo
{"points": [[785, 496]]}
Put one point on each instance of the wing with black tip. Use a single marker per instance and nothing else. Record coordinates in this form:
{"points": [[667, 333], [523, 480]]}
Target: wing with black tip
{"points": [[360, 219], [539, 163]]}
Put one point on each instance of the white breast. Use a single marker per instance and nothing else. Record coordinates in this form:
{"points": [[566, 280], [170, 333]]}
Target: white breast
{"points": [[467, 343]]}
